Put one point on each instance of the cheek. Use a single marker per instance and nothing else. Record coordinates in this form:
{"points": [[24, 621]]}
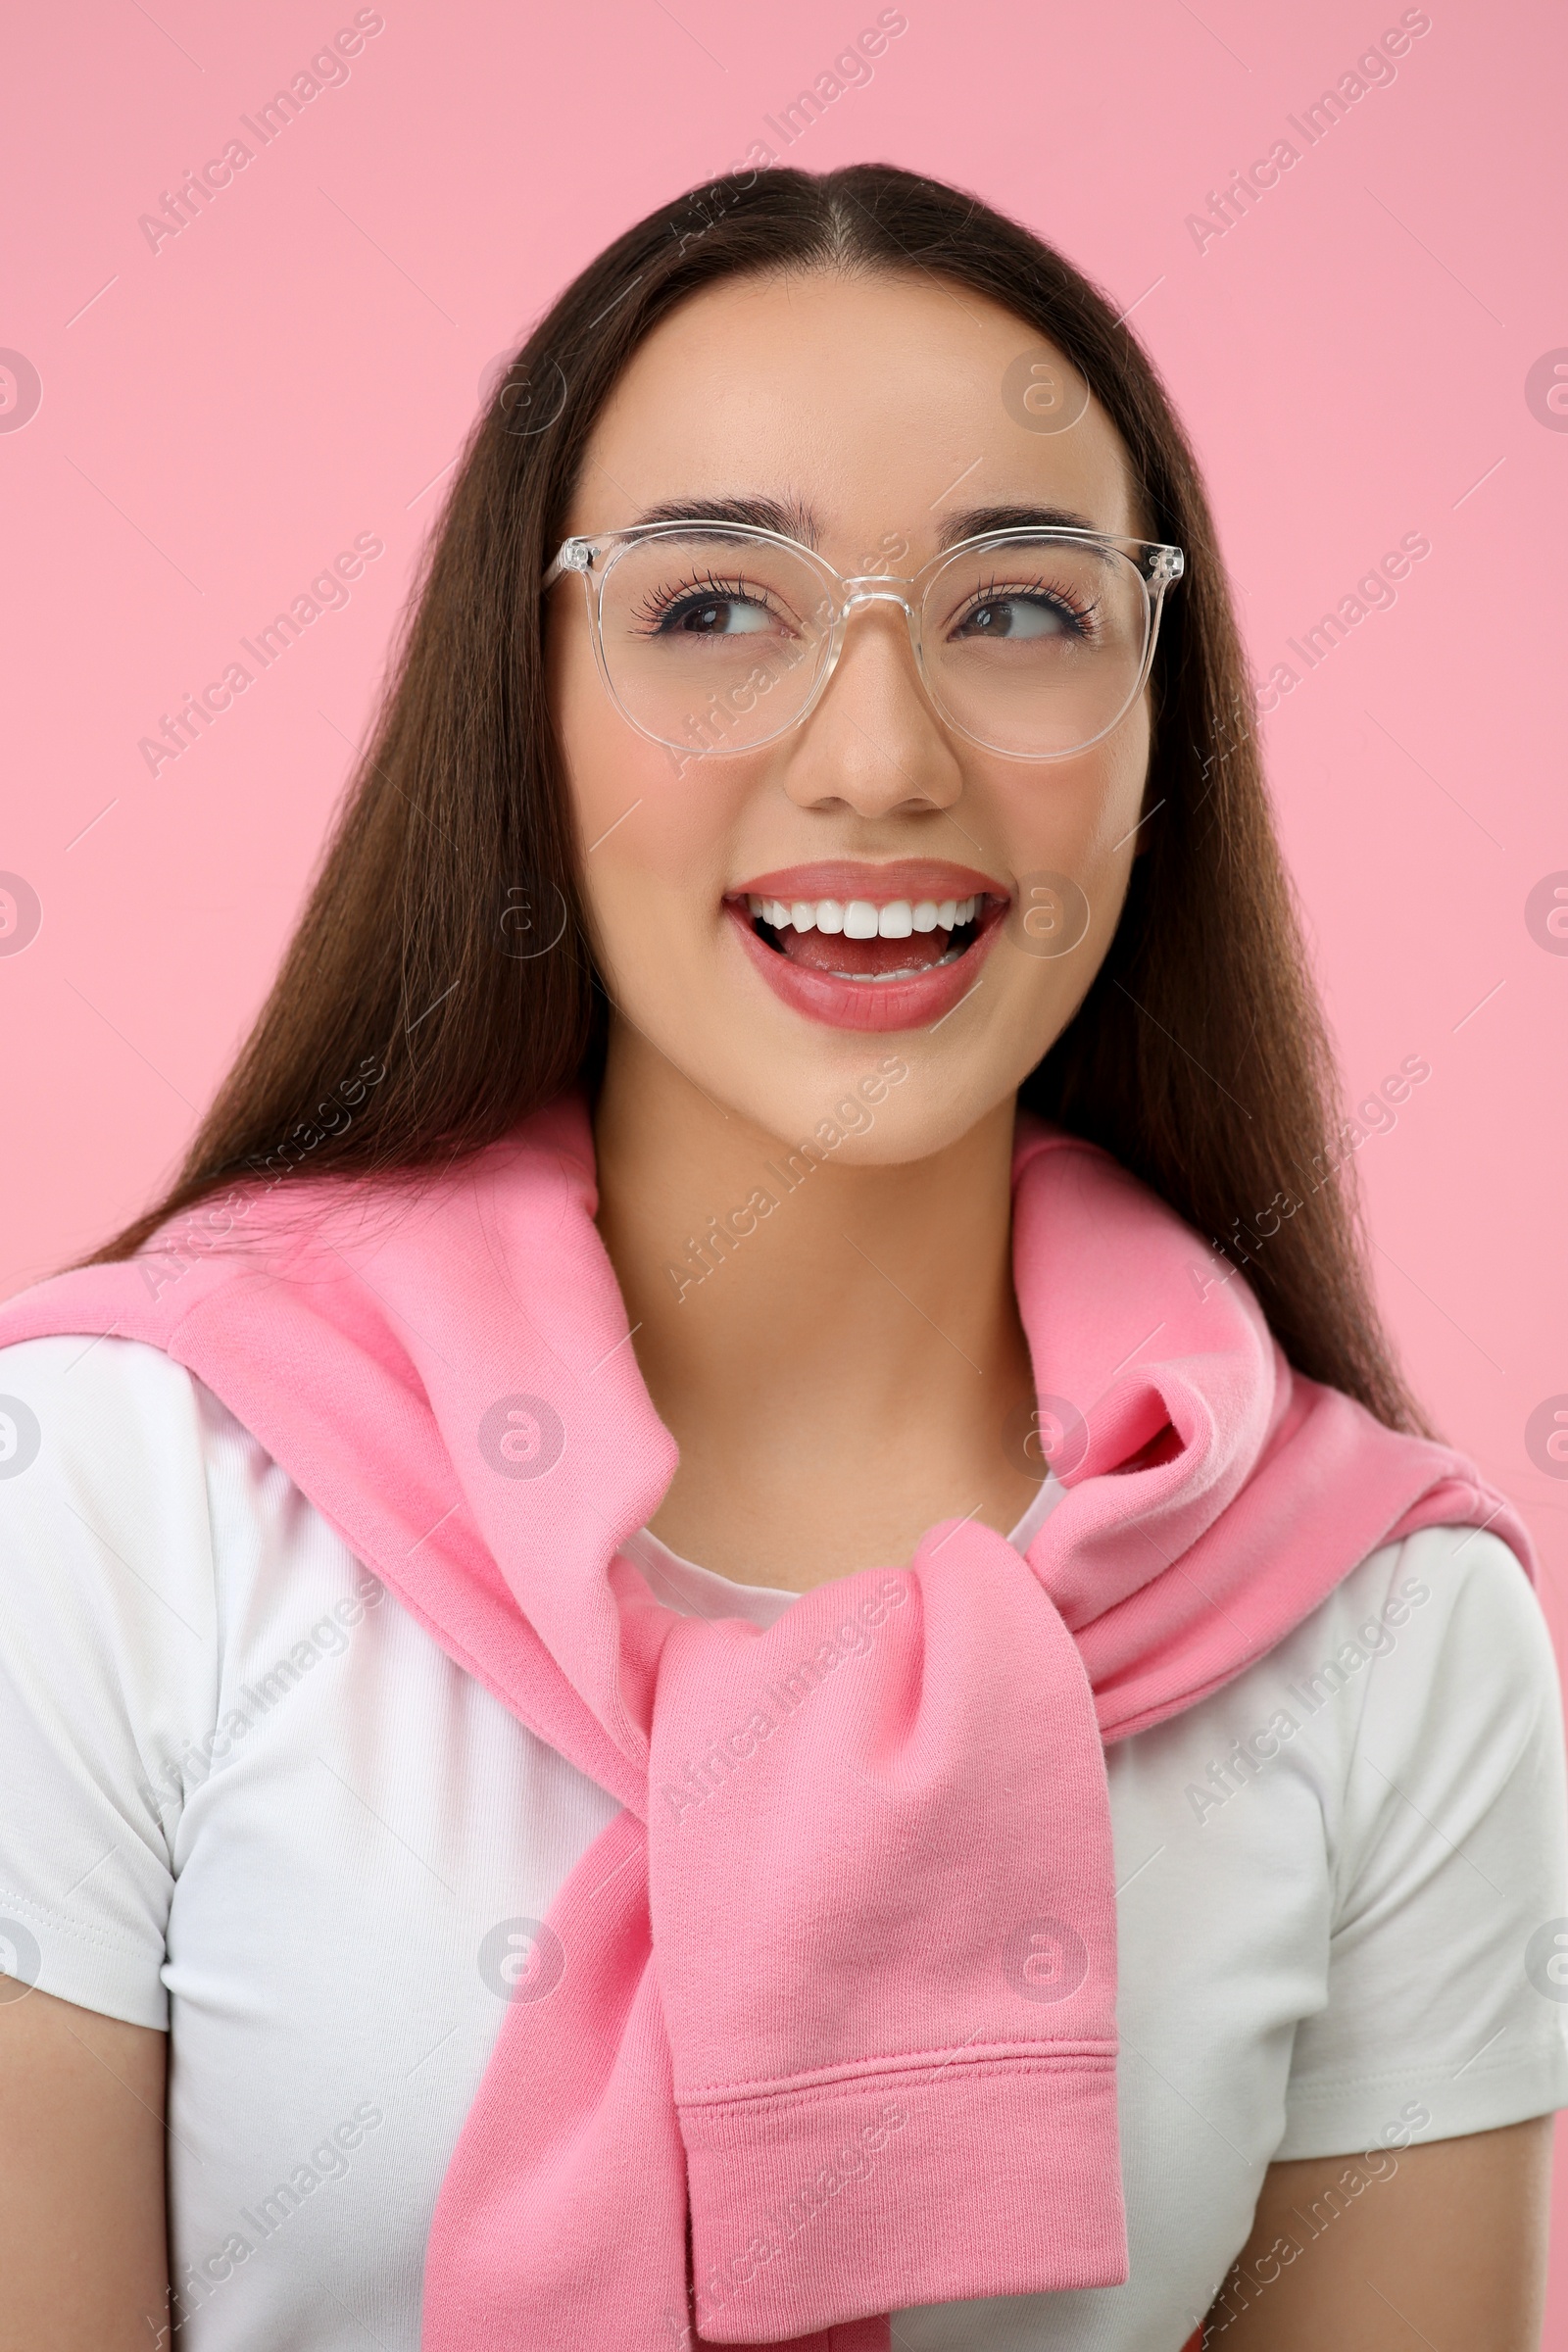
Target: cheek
{"points": [[650, 833], [644, 884], [1072, 831], [607, 764], [1120, 772], [1079, 818]]}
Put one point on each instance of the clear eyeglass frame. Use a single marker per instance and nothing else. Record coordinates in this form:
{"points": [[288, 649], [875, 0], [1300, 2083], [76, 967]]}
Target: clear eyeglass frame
{"points": [[1157, 565]]}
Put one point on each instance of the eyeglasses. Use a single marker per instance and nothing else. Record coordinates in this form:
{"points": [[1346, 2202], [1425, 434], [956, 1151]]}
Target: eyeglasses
{"points": [[715, 637]]}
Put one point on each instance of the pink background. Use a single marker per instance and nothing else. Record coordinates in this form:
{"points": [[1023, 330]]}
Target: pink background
{"points": [[222, 417]]}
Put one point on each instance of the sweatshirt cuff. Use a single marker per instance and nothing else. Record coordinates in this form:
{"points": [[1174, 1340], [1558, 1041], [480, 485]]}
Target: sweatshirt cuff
{"points": [[821, 2201]]}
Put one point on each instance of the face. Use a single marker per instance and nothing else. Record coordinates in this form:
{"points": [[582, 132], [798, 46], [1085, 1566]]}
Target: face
{"points": [[871, 412]]}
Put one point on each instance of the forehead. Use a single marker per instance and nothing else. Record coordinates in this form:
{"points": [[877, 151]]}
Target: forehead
{"points": [[878, 404]]}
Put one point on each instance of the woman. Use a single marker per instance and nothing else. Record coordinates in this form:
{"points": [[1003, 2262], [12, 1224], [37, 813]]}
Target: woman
{"points": [[736, 1624]]}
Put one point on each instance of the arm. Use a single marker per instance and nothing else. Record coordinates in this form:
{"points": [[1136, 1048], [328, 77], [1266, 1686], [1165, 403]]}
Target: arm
{"points": [[82, 2249], [1444, 2244]]}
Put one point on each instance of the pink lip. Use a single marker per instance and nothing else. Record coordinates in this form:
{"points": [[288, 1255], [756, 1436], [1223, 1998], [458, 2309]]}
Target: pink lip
{"points": [[876, 1005], [845, 878]]}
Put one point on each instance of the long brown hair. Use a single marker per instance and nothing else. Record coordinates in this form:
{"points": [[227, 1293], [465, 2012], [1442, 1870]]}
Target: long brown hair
{"points": [[1198, 1058]]}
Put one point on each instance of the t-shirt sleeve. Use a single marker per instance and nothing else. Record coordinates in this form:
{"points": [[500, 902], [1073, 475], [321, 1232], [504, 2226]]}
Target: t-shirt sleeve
{"points": [[107, 1662], [1445, 2011]]}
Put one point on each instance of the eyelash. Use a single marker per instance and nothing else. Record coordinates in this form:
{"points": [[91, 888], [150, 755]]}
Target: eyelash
{"points": [[658, 610], [694, 590], [1082, 616]]}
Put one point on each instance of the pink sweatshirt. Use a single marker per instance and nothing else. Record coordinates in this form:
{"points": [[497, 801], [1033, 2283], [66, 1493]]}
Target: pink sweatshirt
{"points": [[836, 1992]]}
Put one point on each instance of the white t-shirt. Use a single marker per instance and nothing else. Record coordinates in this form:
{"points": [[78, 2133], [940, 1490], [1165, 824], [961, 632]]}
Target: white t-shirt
{"points": [[1326, 1932]]}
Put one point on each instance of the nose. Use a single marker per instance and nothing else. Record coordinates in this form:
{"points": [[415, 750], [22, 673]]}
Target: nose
{"points": [[873, 743]]}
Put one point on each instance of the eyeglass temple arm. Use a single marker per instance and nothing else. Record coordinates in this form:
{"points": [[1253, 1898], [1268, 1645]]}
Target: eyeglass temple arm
{"points": [[574, 555]]}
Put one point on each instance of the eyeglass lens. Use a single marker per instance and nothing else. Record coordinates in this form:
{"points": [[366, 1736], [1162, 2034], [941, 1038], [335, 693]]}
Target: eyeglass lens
{"points": [[1034, 646]]}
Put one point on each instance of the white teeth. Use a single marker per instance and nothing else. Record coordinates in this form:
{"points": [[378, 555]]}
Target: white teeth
{"points": [[860, 919]]}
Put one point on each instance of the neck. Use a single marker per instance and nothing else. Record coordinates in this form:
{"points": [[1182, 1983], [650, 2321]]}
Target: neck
{"points": [[843, 1373]]}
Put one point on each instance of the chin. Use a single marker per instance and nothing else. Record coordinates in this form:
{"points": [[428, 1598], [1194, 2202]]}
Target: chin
{"points": [[888, 1105]]}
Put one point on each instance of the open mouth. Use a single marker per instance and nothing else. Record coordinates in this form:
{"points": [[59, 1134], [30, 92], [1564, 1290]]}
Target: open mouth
{"points": [[854, 939], [869, 943]]}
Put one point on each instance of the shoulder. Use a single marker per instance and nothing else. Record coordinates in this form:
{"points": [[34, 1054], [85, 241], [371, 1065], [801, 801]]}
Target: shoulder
{"points": [[1428, 1666], [128, 1493], [109, 1645], [107, 1569], [1461, 1717], [1432, 1656], [107, 1425], [1454, 1607], [1440, 1756], [1426, 1710], [73, 1379]]}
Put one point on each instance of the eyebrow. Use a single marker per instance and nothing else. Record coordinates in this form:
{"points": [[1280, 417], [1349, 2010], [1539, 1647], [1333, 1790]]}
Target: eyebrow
{"points": [[793, 521], [790, 519], [969, 522]]}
